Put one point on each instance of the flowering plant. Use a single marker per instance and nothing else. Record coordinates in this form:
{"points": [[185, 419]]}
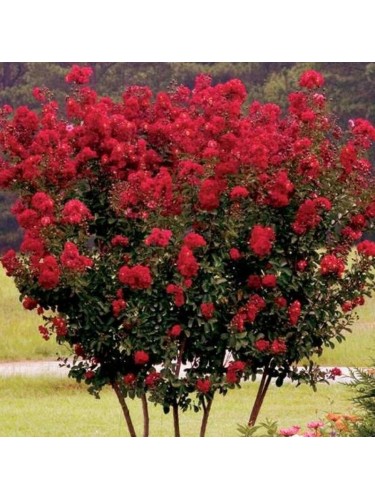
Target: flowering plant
{"points": [[182, 242]]}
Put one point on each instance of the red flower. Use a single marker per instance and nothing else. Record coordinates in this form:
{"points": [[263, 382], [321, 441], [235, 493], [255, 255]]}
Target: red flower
{"points": [[281, 302], [89, 375], [49, 273], [71, 258], [269, 281], [129, 379], [60, 326], [209, 195], [29, 303], [366, 248], [278, 346], [118, 305], [174, 331], [120, 241], [330, 264], [347, 306], [203, 385], [152, 379], [137, 277], [301, 265], [78, 350], [254, 281], [75, 212], [294, 312], [159, 237], [336, 372], [311, 79], [262, 345], [261, 240], [238, 192], [79, 74], [194, 240], [178, 294], [141, 358], [207, 310], [234, 254], [187, 263]]}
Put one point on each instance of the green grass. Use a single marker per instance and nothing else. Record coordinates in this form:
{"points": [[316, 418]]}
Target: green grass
{"points": [[19, 335], [20, 339], [60, 407]]}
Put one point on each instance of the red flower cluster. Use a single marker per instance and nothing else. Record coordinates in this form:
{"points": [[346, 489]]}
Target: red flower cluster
{"points": [[60, 326], [178, 294], [203, 386], [294, 311], [277, 346], [367, 248], [75, 212], [120, 241], [79, 75], [194, 240], [72, 260], [261, 240], [159, 237], [129, 379], [152, 379], [207, 310], [174, 331], [330, 264], [118, 305], [311, 79], [248, 312], [29, 303], [141, 358], [308, 216], [234, 371], [49, 272], [187, 264], [137, 277]]}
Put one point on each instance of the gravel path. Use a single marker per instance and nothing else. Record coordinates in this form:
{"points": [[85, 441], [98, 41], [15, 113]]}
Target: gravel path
{"points": [[53, 368]]}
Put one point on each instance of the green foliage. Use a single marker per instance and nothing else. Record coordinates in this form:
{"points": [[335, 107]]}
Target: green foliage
{"points": [[363, 385]]}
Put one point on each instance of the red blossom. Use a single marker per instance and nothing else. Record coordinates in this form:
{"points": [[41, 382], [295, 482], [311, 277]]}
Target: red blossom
{"points": [[158, 237], [120, 241], [75, 212], [49, 272], [330, 264], [269, 281], [174, 331], [152, 379], [261, 240], [238, 192], [79, 74], [72, 260], [207, 310], [187, 264], [129, 379], [118, 305], [203, 386], [278, 346], [194, 240], [137, 277], [235, 254], [294, 312], [262, 345], [178, 294], [141, 358], [367, 248], [311, 79], [29, 303]]}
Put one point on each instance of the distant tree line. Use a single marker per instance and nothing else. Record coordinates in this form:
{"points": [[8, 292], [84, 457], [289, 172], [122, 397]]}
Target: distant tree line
{"points": [[350, 85]]}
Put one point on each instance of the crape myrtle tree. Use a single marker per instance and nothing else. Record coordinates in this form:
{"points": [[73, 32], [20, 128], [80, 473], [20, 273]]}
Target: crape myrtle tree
{"points": [[181, 243]]}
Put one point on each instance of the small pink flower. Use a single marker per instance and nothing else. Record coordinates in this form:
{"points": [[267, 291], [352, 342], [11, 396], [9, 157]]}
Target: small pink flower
{"points": [[315, 424], [309, 434], [289, 431]]}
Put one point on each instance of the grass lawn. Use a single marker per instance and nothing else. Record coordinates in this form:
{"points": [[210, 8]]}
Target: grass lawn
{"points": [[60, 407]]}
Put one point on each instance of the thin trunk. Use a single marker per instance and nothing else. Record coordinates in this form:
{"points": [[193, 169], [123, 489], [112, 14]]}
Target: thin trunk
{"points": [[175, 408], [263, 387], [146, 417], [206, 414], [176, 420], [125, 408]]}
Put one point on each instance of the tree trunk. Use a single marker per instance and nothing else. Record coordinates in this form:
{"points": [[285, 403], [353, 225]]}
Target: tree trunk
{"points": [[125, 409], [146, 417], [206, 414], [263, 387]]}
